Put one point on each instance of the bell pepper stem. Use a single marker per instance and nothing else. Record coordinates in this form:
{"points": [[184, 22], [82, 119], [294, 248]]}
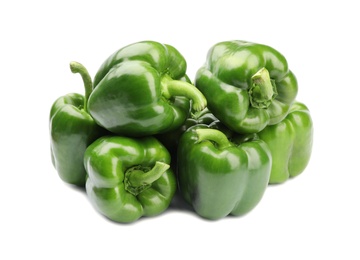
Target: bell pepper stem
{"points": [[171, 87], [138, 178], [76, 67], [263, 89], [213, 135]]}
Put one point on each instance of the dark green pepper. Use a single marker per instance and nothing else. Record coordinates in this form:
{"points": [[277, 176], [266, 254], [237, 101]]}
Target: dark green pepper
{"points": [[248, 85], [290, 142], [129, 178], [138, 91], [72, 130], [218, 176]]}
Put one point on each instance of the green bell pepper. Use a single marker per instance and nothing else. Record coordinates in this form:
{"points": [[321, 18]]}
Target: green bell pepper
{"points": [[137, 90], [129, 178], [290, 142], [218, 176], [248, 86], [72, 130]]}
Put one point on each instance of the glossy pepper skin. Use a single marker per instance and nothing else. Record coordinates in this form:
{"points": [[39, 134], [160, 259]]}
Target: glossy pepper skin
{"points": [[248, 85], [218, 176], [139, 91], [72, 130], [290, 142], [129, 177]]}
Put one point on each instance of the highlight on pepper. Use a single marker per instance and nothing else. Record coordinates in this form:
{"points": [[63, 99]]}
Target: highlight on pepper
{"points": [[143, 130]]}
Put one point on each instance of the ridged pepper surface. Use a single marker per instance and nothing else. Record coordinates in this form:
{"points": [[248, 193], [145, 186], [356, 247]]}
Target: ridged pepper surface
{"points": [[290, 143], [220, 176], [141, 90], [129, 177], [247, 85], [72, 130]]}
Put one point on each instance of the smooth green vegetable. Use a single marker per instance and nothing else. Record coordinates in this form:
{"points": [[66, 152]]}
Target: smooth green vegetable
{"points": [[72, 130], [139, 91], [218, 176], [129, 178], [290, 142], [229, 135], [247, 85]]}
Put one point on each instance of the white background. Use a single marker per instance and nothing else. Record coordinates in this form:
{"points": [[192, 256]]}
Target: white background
{"points": [[314, 216]]}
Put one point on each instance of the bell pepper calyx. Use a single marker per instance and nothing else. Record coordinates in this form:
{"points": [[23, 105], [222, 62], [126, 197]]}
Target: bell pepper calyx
{"points": [[139, 178], [217, 137], [77, 67], [262, 90], [171, 87]]}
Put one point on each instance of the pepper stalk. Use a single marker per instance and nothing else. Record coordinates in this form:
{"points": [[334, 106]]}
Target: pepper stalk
{"points": [[263, 89], [138, 178], [77, 67], [213, 135], [171, 87]]}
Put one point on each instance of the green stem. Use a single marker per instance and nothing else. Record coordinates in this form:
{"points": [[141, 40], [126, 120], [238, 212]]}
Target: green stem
{"points": [[215, 136], [76, 67], [263, 89], [137, 179], [172, 88]]}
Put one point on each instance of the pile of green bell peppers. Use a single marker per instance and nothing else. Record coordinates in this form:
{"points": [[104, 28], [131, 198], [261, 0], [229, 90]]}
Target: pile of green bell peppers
{"points": [[142, 130]]}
